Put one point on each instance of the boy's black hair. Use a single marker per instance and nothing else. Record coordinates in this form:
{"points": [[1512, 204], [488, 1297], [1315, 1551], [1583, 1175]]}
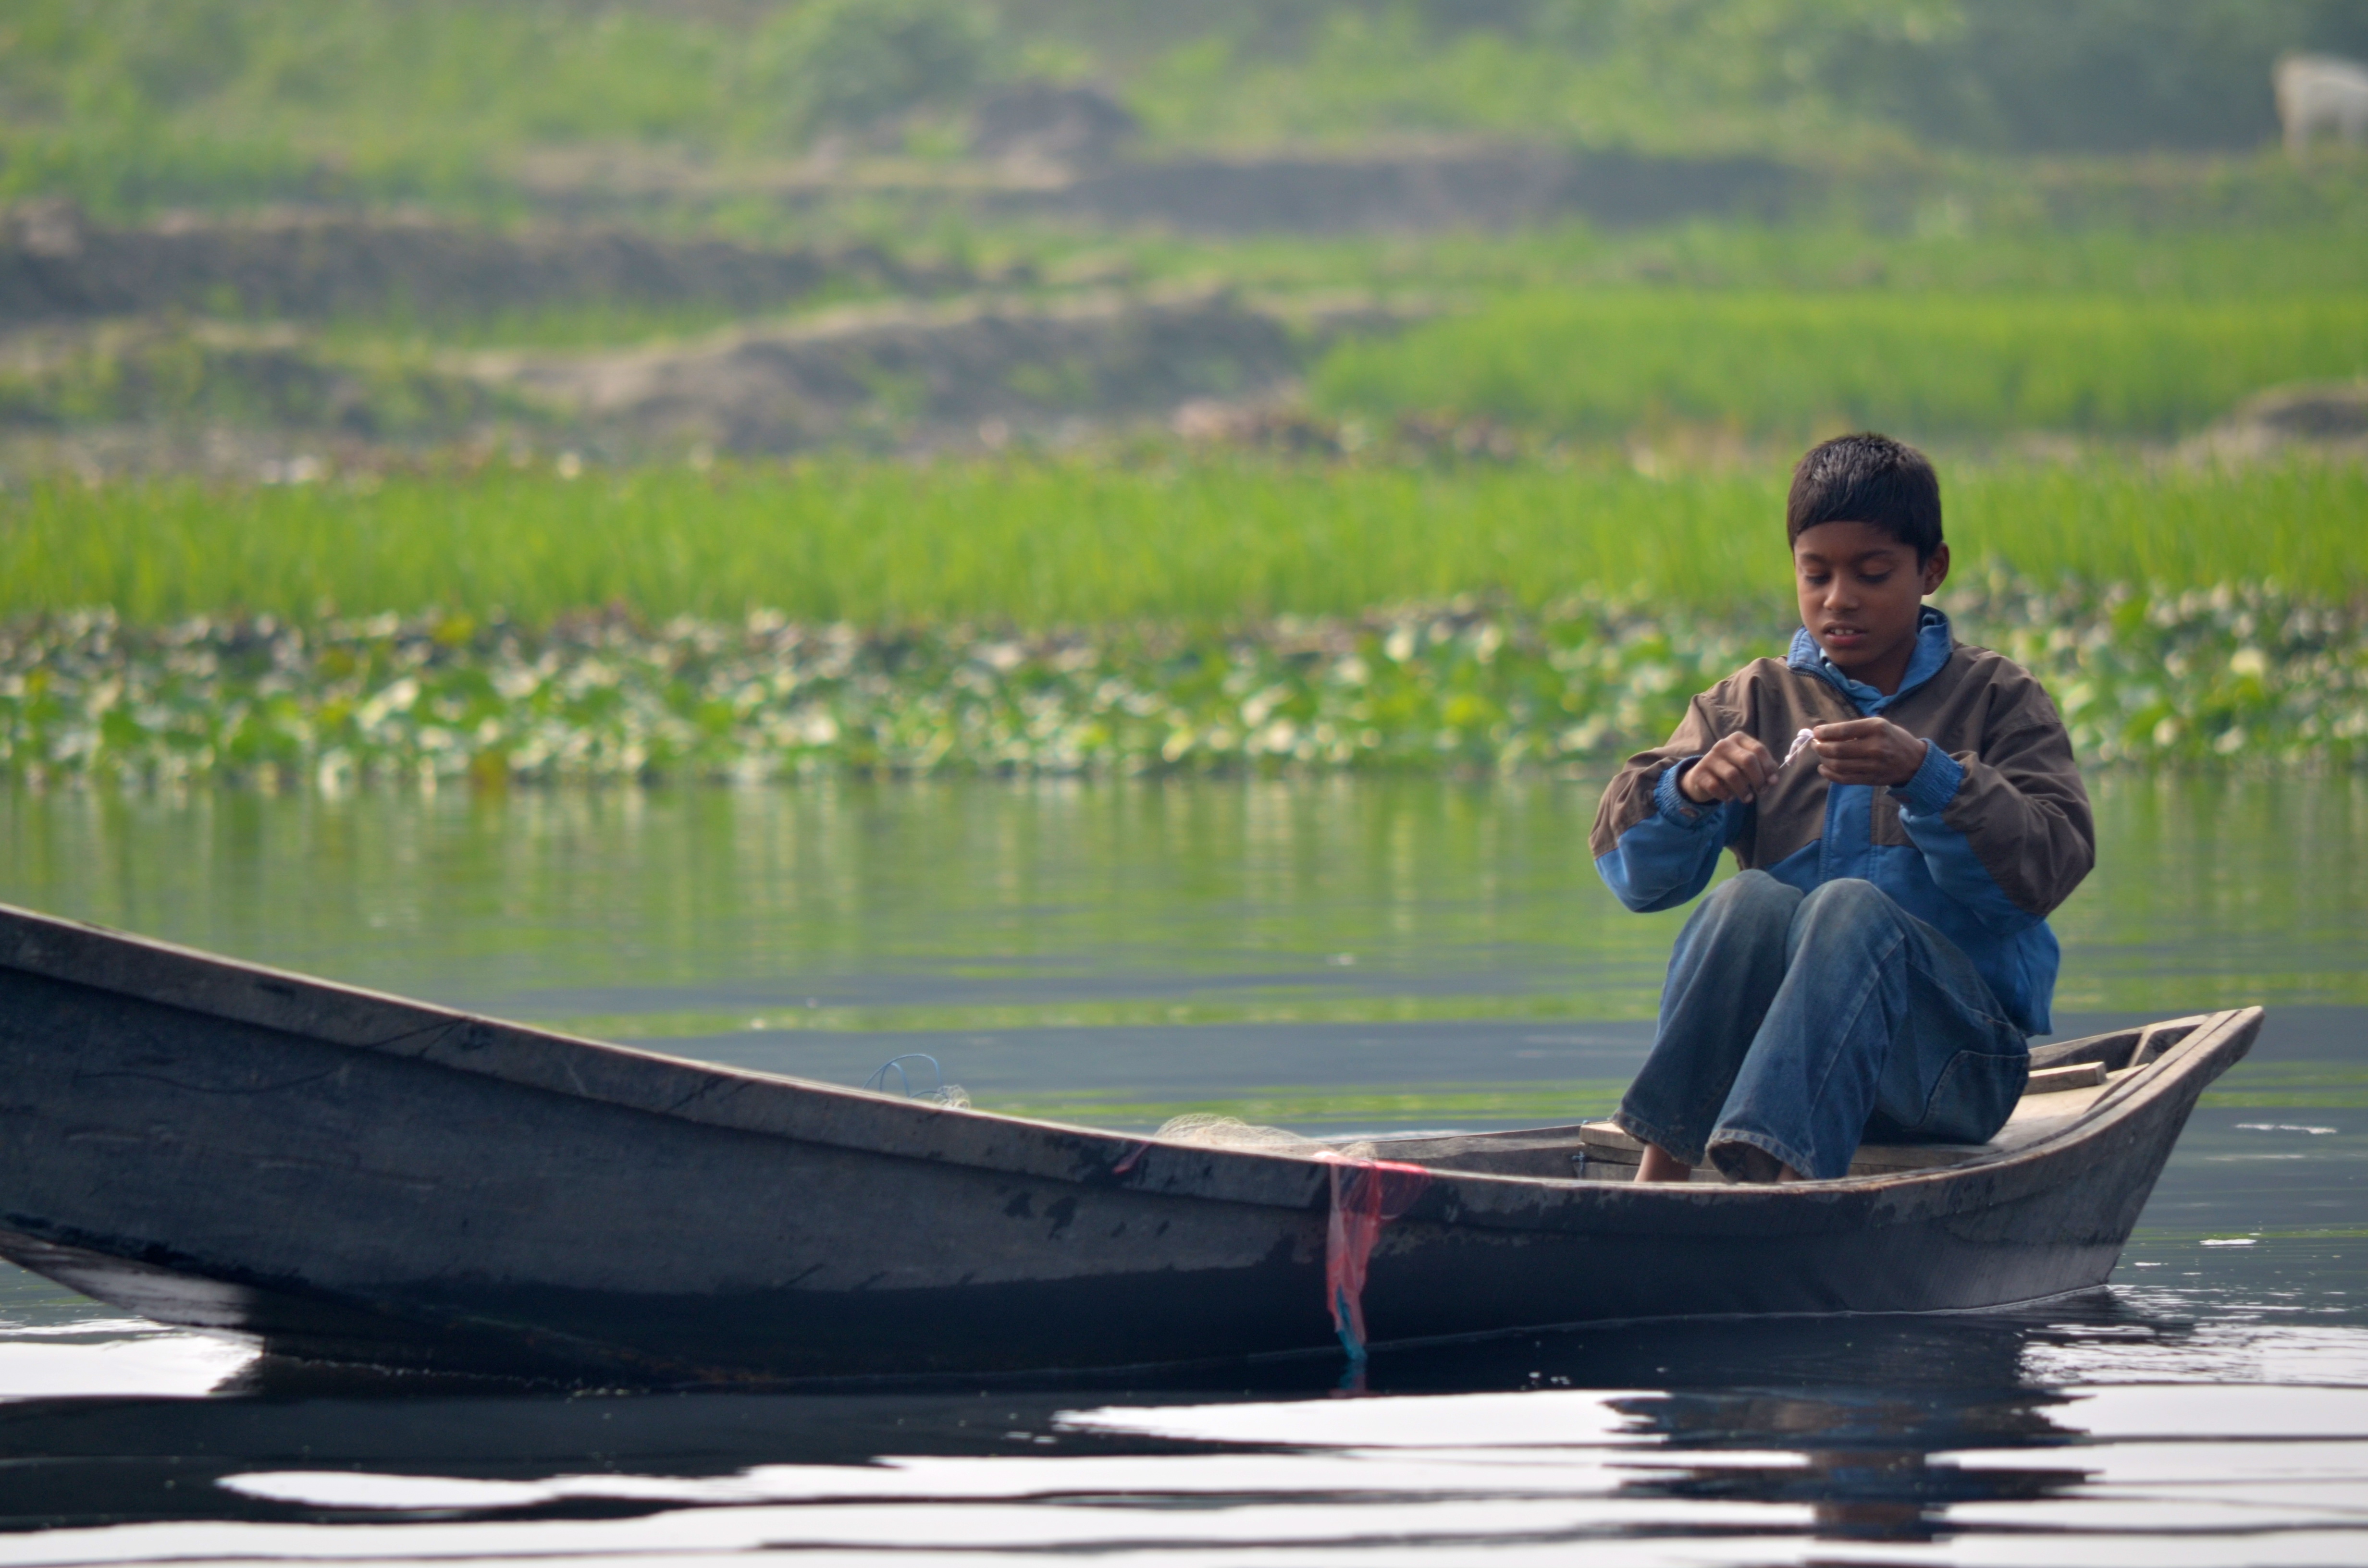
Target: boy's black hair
{"points": [[1867, 479]]}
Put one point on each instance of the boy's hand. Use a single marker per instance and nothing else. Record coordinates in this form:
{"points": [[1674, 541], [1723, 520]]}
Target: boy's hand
{"points": [[1736, 769], [1867, 751]]}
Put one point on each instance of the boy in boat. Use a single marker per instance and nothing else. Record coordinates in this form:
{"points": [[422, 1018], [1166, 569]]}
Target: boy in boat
{"points": [[1906, 812]]}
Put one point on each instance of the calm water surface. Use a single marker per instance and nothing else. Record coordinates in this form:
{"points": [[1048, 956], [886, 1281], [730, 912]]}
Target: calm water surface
{"points": [[1323, 955]]}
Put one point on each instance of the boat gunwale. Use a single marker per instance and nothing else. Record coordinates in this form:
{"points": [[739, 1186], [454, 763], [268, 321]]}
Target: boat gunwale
{"points": [[834, 1115]]}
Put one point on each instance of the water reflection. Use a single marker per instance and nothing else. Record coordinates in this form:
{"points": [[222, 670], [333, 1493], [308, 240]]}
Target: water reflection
{"points": [[1868, 1430], [993, 905], [1870, 1463]]}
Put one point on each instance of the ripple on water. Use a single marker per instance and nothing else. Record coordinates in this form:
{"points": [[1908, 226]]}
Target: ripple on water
{"points": [[2136, 1424]]}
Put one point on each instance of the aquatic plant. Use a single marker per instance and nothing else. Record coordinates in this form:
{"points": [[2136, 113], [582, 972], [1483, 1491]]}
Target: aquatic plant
{"points": [[2237, 674], [2237, 671]]}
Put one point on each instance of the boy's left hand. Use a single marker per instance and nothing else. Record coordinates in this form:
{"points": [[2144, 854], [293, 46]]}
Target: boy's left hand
{"points": [[1867, 751]]}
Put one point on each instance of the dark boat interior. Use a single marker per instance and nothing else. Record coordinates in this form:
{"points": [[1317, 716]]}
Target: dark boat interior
{"points": [[2069, 1080]]}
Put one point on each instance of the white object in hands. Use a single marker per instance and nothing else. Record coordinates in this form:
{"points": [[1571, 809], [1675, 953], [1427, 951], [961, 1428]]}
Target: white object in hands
{"points": [[1800, 744]]}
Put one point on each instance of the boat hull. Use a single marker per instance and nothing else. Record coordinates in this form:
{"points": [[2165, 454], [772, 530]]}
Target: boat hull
{"points": [[363, 1179]]}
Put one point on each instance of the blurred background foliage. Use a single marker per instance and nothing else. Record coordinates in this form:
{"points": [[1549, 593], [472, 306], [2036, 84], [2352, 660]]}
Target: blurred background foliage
{"points": [[399, 337], [139, 104]]}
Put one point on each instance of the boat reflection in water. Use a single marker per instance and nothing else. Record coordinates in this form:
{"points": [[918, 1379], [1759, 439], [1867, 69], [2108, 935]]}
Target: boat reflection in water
{"points": [[1738, 1439]]}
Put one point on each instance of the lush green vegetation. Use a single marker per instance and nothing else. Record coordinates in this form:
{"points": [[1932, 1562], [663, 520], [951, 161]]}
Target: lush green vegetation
{"points": [[430, 619], [1073, 543], [1948, 290], [1074, 617], [132, 104], [138, 102], [1787, 365], [1045, 544], [2105, 75]]}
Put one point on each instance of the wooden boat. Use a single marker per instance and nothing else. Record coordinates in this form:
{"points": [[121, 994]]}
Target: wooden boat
{"points": [[352, 1176]]}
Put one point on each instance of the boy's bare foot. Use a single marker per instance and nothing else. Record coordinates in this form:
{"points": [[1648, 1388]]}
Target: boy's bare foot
{"points": [[1659, 1164]]}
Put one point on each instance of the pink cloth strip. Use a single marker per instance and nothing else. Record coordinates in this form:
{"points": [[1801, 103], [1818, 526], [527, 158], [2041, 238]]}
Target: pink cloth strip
{"points": [[1366, 1195]]}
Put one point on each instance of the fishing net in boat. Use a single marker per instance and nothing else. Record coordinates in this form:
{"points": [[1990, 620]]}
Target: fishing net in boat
{"points": [[953, 1096], [1232, 1133]]}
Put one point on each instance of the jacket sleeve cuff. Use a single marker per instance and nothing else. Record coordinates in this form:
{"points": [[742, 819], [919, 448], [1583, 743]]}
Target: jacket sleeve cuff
{"points": [[1671, 802], [1935, 785]]}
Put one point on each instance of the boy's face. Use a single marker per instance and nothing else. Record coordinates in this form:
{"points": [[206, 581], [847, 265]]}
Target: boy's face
{"points": [[1862, 590]]}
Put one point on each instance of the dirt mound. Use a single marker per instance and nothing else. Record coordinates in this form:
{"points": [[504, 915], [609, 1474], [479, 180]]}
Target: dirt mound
{"points": [[982, 371], [53, 263], [1052, 124], [2328, 416], [145, 393]]}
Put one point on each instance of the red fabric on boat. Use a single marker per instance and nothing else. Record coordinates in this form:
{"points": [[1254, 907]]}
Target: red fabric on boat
{"points": [[1366, 1195]]}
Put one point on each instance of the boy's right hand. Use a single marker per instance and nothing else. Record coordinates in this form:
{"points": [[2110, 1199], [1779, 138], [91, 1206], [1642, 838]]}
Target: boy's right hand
{"points": [[1736, 769]]}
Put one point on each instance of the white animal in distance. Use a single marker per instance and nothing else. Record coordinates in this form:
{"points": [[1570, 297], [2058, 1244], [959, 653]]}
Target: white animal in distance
{"points": [[2316, 90]]}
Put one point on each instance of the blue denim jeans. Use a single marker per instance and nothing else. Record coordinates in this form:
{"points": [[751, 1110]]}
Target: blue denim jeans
{"points": [[1802, 1024]]}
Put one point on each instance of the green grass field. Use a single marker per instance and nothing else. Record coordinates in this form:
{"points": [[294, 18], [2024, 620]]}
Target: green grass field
{"points": [[1826, 254], [1039, 544], [1789, 365]]}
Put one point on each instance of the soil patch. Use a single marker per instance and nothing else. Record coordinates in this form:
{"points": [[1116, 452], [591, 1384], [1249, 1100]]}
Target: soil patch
{"points": [[2328, 417], [146, 394], [979, 372]]}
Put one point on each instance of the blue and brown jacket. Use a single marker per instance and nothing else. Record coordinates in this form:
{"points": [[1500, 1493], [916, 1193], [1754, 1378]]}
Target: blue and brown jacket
{"points": [[1989, 836]]}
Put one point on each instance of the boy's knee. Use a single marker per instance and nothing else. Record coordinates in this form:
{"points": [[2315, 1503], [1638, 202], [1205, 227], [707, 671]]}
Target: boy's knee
{"points": [[1757, 897], [1846, 903]]}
